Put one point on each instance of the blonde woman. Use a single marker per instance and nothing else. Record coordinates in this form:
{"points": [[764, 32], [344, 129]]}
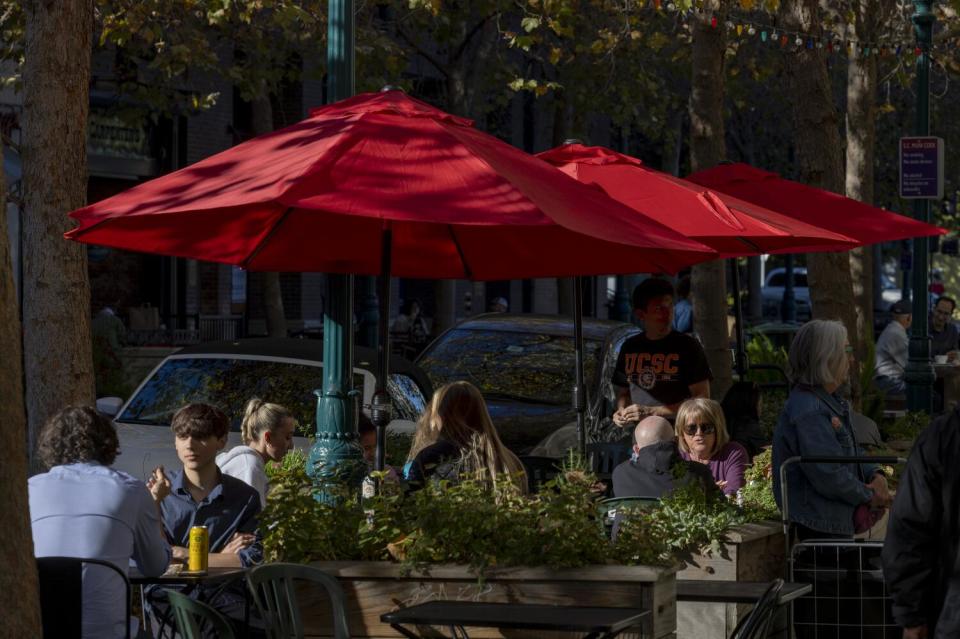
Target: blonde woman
{"points": [[267, 432], [702, 435], [455, 435]]}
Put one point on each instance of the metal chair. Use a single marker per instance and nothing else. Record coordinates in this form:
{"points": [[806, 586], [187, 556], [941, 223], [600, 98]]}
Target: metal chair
{"points": [[61, 594], [274, 594], [603, 457], [192, 616], [539, 470], [608, 509], [756, 625]]}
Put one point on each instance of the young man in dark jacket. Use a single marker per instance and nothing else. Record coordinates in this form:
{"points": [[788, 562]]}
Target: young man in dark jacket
{"points": [[920, 552]]}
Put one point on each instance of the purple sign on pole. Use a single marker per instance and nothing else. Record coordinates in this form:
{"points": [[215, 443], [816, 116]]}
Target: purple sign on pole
{"points": [[921, 167]]}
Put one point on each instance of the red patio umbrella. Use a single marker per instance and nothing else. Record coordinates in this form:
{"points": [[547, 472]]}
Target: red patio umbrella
{"points": [[863, 222], [383, 183], [728, 224], [317, 195]]}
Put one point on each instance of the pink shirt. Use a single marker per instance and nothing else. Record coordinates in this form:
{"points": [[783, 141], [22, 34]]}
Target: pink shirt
{"points": [[728, 465]]}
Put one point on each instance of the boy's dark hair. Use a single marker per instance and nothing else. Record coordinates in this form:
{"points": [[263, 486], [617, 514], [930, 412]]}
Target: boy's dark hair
{"points": [[364, 425], [200, 421], [649, 289], [78, 434], [683, 287], [949, 300]]}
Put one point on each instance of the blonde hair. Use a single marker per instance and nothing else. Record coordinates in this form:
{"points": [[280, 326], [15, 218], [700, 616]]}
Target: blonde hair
{"points": [[704, 409], [260, 417], [458, 414]]}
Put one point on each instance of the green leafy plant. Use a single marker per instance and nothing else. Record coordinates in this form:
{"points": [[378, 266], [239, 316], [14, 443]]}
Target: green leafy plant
{"points": [[756, 496], [905, 428]]}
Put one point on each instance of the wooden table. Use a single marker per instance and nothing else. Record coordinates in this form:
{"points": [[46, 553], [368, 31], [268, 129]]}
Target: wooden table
{"points": [[746, 592], [595, 622], [950, 374]]}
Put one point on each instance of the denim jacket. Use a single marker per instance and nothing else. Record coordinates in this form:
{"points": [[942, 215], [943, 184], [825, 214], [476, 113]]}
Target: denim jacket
{"points": [[822, 496]]}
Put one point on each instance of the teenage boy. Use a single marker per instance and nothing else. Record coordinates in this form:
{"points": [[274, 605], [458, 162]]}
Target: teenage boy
{"points": [[200, 495], [660, 368]]}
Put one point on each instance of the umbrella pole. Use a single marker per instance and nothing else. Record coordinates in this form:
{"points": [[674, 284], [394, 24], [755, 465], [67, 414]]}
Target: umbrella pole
{"points": [[740, 356], [579, 402], [381, 412]]}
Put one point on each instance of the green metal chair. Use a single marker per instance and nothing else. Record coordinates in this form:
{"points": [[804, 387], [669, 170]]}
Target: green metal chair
{"points": [[607, 508], [191, 616], [274, 594]]}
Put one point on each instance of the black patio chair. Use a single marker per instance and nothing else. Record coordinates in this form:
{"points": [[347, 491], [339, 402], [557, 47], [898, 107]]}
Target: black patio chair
{"points": [[603, 457], [61, 594], [757, 624], [539, 470]]}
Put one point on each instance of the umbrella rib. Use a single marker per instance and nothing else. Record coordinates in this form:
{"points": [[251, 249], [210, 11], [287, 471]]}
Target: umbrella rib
{"points": [[463, 258], [266, 238]]}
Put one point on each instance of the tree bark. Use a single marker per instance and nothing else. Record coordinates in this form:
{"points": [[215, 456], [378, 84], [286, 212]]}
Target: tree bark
{"points": [[708, 288], [262, 121], [819, 157], [57, 344], [18, 573], [861, 140]]}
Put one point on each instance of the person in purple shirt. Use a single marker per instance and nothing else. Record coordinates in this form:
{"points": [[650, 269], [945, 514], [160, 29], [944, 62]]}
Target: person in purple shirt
{"points": [[702, 436], [82, 508]]}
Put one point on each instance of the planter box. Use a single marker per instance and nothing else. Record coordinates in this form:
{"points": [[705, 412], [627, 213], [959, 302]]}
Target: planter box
{"points": [[754, 552], [374, 588]]}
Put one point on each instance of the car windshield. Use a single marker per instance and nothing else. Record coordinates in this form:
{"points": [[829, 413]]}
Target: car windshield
{"points": [[228, 384], [525, 367]]}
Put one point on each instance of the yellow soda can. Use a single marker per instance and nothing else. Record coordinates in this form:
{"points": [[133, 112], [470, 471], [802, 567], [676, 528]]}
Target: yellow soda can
{"points": [[199, 549]]}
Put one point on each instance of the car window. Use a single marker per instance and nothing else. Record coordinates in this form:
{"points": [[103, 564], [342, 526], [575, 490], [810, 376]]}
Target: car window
{"points": [[513, 365], [228, 384], [800, 279], [777, 279], [408, 400]]}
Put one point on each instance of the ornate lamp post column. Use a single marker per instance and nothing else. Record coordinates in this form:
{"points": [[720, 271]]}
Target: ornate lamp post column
{"points": [[336, 450], [919, 374]]}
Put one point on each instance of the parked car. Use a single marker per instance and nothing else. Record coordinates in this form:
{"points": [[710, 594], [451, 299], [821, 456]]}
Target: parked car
{"points": [[228, 374], [524, 366], [771, 293]]}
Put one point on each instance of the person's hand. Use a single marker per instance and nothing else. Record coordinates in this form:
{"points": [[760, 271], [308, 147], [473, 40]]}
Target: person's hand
{"points": [[158, 484], [881, 493], [721, 484], [952, 356], [238, 542], [631, 414], [917, 632], [180, 553]]}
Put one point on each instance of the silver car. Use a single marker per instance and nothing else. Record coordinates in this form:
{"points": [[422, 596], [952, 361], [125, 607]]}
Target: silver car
{"points": [[228, 374]]}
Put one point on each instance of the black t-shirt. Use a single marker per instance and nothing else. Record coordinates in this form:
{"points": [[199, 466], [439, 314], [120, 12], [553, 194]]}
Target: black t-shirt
{"points": [[661, 371]]}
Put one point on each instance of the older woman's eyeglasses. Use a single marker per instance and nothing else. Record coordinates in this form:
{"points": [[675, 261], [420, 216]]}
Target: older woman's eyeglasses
{"points": [[706, 429]]}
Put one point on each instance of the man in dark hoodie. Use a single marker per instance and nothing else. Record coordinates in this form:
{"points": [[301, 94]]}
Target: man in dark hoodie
{"points": [[657, 467], [920, 561]]}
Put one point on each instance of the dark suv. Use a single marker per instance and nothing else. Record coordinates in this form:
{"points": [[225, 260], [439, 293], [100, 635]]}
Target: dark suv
{"points": [[524, 366]]}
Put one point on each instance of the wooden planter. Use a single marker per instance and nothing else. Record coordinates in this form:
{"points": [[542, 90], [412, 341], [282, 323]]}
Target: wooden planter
{"points": [[753, 552], [374, 588]]}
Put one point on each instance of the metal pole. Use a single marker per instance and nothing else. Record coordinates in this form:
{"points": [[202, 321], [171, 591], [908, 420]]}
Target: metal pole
{"points": [[788, 307], [579, 401], [621, 301], [919, 373], [382, 411], [740, 356], [336, 451]]}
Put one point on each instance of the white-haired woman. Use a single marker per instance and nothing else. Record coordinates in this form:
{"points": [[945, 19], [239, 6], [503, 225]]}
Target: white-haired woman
{"points": [[267, 433], [826, 500]]}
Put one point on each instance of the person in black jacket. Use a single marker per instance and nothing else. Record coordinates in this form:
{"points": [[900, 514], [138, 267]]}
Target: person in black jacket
{"points": [[657, 466], [920, 563]]}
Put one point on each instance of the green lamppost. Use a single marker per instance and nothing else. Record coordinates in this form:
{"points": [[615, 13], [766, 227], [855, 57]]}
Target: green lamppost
{"points": [[919, 374], [337, 451]]}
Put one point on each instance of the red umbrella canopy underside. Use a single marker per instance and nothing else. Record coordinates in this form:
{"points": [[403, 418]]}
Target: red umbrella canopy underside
{"points": [[317, 196], [867, 224]]}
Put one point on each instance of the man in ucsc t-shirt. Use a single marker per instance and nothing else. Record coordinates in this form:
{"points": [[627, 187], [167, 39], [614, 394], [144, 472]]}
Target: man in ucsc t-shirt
{"points": [[660, 368]]}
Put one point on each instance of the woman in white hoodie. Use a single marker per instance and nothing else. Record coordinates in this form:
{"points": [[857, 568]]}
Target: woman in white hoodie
{"points": [[267, 432]]}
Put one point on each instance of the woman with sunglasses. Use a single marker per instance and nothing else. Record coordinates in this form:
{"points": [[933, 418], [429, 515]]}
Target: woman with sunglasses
{"points": [[826, 500], [702, 436]]}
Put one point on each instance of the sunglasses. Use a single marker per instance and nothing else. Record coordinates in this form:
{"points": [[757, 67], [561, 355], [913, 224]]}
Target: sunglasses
{"points": [[706, 429]]}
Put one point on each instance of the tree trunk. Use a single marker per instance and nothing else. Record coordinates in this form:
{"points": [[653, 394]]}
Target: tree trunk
{"points": [[820, 164], [708, 288], [861, 142], [262, 120], [18, 573], [57, 343]]}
